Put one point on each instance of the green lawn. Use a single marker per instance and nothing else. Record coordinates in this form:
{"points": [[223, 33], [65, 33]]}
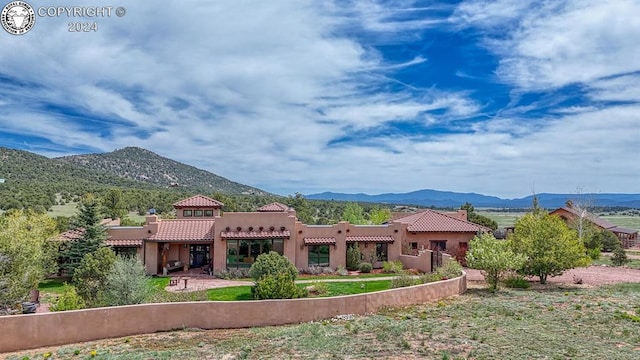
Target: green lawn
{"points": [[234, 293], [547, 323], [53, 286]]}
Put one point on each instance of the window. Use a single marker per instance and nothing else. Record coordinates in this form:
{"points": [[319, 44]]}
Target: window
{"points": [[208, 213], [125, 251], [381, 251], [197, 213], [440, 245], [414, 246], [242, 253], [187, 213], [319, 255]]}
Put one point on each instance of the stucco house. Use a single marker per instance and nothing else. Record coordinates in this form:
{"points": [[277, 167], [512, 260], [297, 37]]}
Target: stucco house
{"points": [[201, 236], [628, 237]]}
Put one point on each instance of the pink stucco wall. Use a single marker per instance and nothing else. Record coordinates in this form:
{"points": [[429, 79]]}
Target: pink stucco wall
{"points": [[22, 332]]}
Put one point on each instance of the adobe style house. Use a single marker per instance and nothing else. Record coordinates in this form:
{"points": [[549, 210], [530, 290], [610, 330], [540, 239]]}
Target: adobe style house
{"points": [[628, 237], [202, 235]]}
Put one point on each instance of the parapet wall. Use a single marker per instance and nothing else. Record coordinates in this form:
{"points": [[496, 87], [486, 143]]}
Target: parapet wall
{"points": [[21, 332]]}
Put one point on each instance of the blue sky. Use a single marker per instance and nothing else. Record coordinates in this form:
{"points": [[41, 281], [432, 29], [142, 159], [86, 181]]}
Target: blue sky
{"points": [[503, 97]]}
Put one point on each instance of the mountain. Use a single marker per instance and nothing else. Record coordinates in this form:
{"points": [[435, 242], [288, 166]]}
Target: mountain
{"points": [[18, 167], [454, 199], [145, 167]]}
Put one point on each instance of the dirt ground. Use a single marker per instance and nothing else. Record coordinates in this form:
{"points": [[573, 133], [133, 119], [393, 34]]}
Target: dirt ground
{"points": [[591, 276]]}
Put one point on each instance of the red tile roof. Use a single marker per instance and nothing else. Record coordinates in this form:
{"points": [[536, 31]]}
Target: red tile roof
{"points": [[255, 234], [433, 221], [184, 230], [274, 207], [124, 242], [198, 201], [319, 240], [70, 235], [369, 238]]}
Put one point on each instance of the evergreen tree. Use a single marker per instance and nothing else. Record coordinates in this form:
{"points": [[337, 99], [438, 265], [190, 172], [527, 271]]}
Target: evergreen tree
{"points": [[93, 234]]}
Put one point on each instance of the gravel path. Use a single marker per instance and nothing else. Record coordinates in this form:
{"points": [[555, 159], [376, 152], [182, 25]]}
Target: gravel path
{"points": [[591, 276]]}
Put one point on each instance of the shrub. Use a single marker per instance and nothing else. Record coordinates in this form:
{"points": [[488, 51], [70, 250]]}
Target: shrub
{"points": [[516, 281], [318, 288], [619, 257], [231, 274], [69, 300], [594, 253], [272, 264], [318, 270], [353, 257], [342, 271], [392, 267], [403, 280], [609, 241], [449, 270], [365, 267], [90, 277], [429, 278], [278, 286], [127, 283]]}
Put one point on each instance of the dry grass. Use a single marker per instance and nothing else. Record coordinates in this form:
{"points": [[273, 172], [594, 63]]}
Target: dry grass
{"points": [[553, 322]]}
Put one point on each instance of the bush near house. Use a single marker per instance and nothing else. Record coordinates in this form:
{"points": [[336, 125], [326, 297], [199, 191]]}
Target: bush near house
{"points": [[274, 276], [365, 267], [354, 256], [392, 267]]}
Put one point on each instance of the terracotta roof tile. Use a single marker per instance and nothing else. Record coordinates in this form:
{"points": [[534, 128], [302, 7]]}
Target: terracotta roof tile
{"points": [[433, 221], [198, 201], [124, 242], [274, 207], [70, 235], [319, 240], [255, 234], [370, 238], [184, 230]]}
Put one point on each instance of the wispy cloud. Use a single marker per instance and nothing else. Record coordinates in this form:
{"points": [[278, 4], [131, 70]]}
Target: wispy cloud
{"points": [[342, 95]]}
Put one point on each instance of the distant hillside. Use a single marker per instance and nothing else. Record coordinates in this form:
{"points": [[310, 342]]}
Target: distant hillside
{"points": [[455, 200], [22, 167], [144, 166]]}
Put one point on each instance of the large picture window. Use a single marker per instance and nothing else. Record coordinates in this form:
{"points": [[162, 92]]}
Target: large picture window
{"points": [[319, 255], [242, 253]]}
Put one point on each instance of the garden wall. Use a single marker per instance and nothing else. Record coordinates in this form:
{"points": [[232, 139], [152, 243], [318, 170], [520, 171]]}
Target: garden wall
{"points": [[22, 332]]}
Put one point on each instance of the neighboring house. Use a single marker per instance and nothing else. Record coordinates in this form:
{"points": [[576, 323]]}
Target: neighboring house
{"points": [[202, 236], [628, 237]]}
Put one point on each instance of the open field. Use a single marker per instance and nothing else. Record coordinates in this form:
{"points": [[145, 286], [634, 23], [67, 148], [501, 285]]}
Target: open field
{"points": [[553, 322], [508, 218], [71, 209]]}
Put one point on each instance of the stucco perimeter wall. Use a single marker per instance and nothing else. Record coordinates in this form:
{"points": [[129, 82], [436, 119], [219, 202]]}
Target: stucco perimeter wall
{"points": [[22, 332]]}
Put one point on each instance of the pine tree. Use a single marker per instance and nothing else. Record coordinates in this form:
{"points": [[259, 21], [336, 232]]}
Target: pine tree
{"points": [[93, 234]]}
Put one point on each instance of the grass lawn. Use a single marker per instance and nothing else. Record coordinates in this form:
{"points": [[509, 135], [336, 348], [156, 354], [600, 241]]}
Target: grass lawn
{"points": [[548, 323], [606, 260], [333, 289], [53, 286]]}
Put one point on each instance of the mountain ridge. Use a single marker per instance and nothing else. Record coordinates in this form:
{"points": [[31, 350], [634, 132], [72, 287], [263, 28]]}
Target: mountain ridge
{"points": [[437, 198], [144, 166]]}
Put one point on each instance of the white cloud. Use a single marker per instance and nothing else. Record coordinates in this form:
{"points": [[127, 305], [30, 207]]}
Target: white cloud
{"points": [[255, 91]]}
